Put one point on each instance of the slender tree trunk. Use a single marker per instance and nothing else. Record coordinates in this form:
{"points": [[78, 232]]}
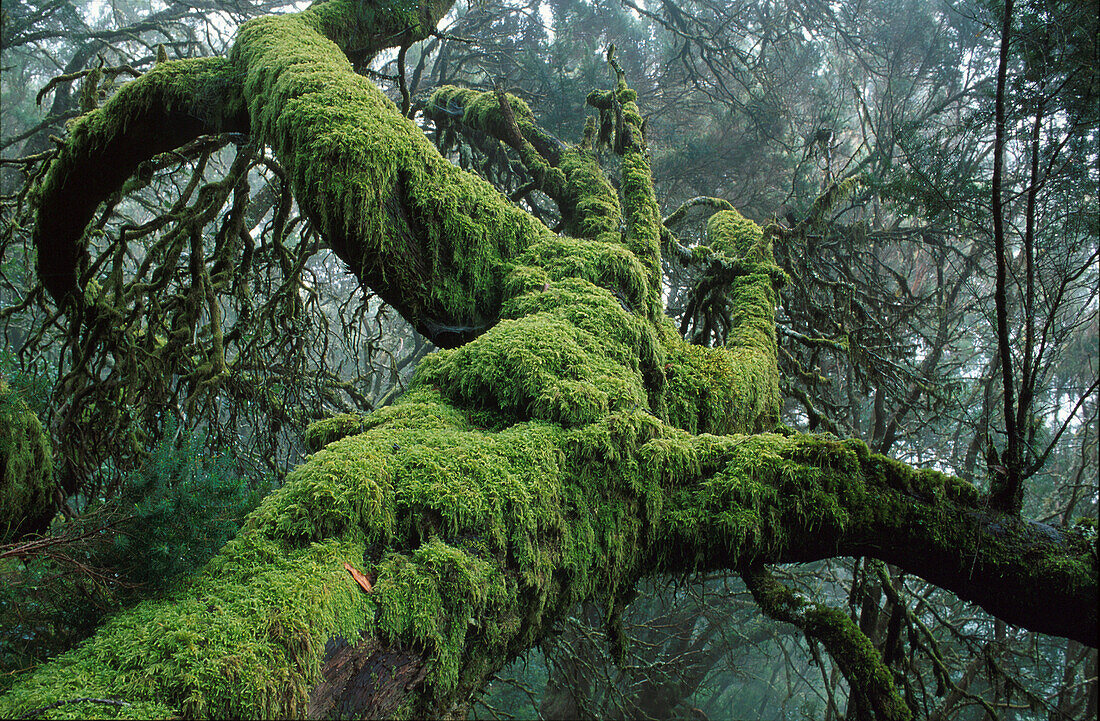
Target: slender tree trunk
{"points": [[1006, 492]]}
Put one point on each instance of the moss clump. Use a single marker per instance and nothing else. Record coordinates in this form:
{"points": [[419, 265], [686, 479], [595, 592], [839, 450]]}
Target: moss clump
{"points": [[320, 433], [711, 390], [26, 467], [733, 235], [366, 28], [541, 366], [733, 389], [439, 595], [602, 262], [592, 203], [502, 529], [244, 641]]}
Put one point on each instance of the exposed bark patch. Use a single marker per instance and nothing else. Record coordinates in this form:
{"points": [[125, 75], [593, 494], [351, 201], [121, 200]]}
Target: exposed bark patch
{"points": [[367, 680]]}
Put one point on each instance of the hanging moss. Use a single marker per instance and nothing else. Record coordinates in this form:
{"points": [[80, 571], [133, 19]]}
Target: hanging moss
{"points": [[26, 467], [595, 204]]}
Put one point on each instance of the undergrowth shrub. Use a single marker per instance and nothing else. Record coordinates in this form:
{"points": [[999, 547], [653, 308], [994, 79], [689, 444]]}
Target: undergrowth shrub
{"points": [[169, 517], [180, 507]]}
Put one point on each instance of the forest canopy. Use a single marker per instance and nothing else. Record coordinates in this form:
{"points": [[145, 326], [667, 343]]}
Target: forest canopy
{"points": [[567, 359]]}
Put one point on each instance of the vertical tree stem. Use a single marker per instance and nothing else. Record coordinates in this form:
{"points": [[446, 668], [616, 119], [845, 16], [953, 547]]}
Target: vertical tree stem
{"points": [[1005, 491]]}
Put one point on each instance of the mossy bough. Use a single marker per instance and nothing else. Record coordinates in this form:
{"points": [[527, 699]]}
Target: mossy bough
{"points": [[165, 108], [570, 175], [433, 241], [853, 651], [26, 468], [572, 447], [491, 534]]}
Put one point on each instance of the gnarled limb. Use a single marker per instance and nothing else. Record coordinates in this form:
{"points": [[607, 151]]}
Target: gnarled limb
{"points": [[387, 203], [166, 108], [570, 175], [432, 241], [559, 456], [488, 537], [860, 663]]}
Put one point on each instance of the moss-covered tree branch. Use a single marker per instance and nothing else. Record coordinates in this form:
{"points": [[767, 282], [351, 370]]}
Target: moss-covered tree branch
{"points": [[164, 109], [431, 240], [571, 444], [570, 175], [477, 540], [399, 214], [857, 658]]}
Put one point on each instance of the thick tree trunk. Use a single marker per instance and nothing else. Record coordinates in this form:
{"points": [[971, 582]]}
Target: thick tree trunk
{"points": [[575, 445]]}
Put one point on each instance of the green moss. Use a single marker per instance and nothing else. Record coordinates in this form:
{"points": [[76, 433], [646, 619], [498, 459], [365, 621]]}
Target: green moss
{"points": [[601, 262], [733, 389], [861, 662], [480, 110], [571, 176], [593, 203], [26, 466], [431, 239], [482, 113], [714, 390], [208, 88], [572, 447], [540, 366], [244, 641], [730, 233], [435, 597], [643, 217], [320, 433], [490, 536], [752, 488], [504, 527], [366, 28]]}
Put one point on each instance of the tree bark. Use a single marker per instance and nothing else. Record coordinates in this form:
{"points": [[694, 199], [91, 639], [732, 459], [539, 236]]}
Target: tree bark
{"points": [[1006, 492]]}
